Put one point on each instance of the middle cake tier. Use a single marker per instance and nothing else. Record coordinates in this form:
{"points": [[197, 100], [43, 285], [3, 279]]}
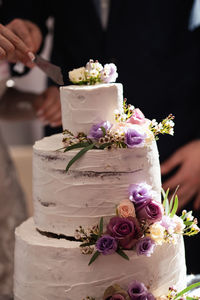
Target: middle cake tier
{"points": [[92, 188]]}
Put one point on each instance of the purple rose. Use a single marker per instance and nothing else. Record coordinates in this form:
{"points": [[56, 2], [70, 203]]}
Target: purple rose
{"points": [[96, 131], [125, 230], [145, 246], [106, 245], [152, 211], [137, 290], [134, 138], [109, 73], [139, 194]]}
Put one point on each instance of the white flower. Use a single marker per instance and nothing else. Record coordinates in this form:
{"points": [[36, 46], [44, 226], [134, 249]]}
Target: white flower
{"points": [[131, 107], [190, 217], [93, 69], [77, 75], [154, 122], [171, 131], [157, 233], [179, 224], [170, 123]]}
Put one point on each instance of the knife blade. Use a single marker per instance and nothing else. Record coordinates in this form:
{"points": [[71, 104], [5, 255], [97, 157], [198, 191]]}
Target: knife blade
{"points": [[52, 71]]}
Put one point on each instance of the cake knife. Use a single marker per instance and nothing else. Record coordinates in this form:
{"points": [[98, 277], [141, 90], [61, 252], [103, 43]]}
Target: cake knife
{"points": [[52, 71]]}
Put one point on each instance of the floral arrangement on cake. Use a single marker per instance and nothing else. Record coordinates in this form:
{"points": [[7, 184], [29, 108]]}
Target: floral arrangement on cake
{"points": [[140, 224], [131, 130], [94, 73], [138, 291]]}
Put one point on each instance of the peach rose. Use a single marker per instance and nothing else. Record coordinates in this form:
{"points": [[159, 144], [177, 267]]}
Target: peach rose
{"points": [[126, 209], [157, 233]]}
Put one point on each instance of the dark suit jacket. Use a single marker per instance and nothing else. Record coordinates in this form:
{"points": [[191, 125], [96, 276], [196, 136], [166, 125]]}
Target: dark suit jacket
{"points": [[158, 59]]}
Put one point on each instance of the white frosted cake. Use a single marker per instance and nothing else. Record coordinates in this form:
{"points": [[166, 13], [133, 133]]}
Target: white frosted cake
{"points": [[49, 259]]}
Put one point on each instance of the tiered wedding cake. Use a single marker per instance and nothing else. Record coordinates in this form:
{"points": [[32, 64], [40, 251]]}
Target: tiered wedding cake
{"points": [[48, 261]]}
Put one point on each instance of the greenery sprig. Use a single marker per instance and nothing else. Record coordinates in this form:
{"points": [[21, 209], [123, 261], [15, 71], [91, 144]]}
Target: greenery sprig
{"points": [[170, 208], [164, 127]]}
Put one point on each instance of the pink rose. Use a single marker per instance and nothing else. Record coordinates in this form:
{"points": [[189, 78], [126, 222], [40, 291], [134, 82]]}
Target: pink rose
{"points": [[137, 117], [126, 209]]}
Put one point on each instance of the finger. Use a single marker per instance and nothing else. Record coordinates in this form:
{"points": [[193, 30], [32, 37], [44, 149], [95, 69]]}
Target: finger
{"points": [[36, 35], [25, 60], [168, 165], [14, 39], [7, 46], [57, 121], [197, 202], [2, 53], [22, 31], [56, 124], [51, 96], [52, 113], [185, 194], [48, 101]]}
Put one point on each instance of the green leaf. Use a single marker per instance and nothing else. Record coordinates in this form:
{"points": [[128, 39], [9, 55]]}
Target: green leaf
{"points": [[190, 287], [94, 257], [103, 130], [188, 223], [103, 146], [172, 199], [122, 254], [174, 210], [78, 155], [78, 145], [165, 201], [88, 244], [101, 227]]}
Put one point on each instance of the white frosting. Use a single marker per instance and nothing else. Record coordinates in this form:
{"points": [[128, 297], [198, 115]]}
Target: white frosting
{"points": [[93, 186], [48, 268], [83, 106]]}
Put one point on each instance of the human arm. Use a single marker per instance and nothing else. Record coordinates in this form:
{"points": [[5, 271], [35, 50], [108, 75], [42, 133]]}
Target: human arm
{"points": [[187, 176]]}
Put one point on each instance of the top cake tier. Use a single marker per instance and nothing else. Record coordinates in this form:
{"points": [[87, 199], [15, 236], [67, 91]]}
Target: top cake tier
{"points": [[83, 106]]}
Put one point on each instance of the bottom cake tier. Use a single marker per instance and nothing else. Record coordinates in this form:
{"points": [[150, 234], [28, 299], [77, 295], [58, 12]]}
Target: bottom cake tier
{"points": [[50, 268]]}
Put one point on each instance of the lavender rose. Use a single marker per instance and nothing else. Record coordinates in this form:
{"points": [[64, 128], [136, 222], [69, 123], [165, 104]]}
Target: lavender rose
{"points": [[96, 131], [145, 246], [106, 245], [134, 138], [139, 194], [136, 290], [152, 211], [125, 230]]}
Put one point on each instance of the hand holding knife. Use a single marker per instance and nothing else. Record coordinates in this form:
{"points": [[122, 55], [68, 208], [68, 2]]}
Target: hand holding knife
{"points": [[52, 71]]}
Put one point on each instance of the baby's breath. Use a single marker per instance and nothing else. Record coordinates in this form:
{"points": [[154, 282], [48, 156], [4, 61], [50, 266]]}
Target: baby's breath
{"points": [[164, 127]]}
